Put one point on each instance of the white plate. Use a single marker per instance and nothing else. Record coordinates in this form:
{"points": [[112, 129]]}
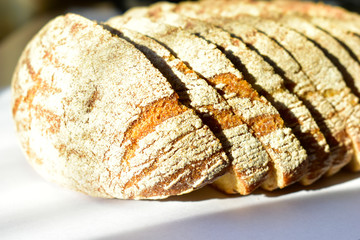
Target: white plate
{"points": [[31, 208]]}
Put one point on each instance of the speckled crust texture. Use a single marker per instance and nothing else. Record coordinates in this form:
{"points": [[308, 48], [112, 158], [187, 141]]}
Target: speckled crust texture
{"points": [[289, 7], [342, 59], [318, 67], [207, 11], [348, 38], [347, 20], [297, 81], [342, 24], [248, 158], [166, 99], [288, 157], [338, 22], [83, 124]]}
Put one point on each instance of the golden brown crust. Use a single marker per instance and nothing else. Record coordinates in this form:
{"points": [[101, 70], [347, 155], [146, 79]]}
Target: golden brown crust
{"points": [[150, 116]]}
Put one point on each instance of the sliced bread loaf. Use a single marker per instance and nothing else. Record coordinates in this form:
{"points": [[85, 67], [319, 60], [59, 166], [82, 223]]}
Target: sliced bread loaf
{"points": [[249, 159], [288, 157], [263, 78]]}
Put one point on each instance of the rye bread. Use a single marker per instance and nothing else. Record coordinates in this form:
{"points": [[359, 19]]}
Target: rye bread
{"points": [[94, 115], [263, 78], [249, 159], [288, 158]]}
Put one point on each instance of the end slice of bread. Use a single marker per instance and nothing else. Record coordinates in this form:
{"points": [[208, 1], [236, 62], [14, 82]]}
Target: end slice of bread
{"points": [[93, 114]]}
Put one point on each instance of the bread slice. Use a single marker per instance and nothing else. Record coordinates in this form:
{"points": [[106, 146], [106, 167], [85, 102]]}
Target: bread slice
{"points": [[297, 82], [288, 157], [248, 158], [94, 115], [262, 76]]}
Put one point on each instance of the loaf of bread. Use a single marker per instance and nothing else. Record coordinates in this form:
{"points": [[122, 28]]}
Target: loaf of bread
{"points": [[166, 99]]}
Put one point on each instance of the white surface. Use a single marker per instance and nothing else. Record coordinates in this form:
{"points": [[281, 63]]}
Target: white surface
{"points": [[31, 208]]}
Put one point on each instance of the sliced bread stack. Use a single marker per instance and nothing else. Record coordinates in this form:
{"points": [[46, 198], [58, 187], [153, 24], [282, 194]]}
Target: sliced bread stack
{"points": [[166, 99]]}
